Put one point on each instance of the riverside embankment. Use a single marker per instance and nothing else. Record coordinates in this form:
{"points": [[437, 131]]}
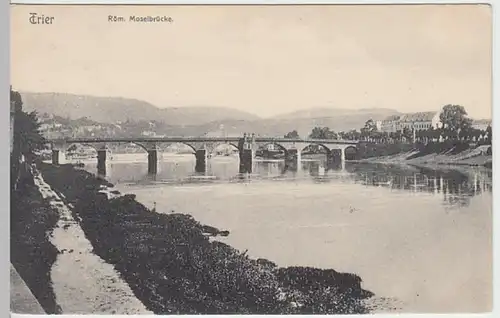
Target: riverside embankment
{"points": [[173, 264], [439, 154], [32, 254], [56, 260]]}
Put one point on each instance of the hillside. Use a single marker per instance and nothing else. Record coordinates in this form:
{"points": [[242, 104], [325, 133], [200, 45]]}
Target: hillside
{"points": [[322, 112], [113, 109], [196, 121], [303, 122]]}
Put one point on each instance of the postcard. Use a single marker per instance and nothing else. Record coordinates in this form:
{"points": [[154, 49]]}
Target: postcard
{"points": [[257, 159]]}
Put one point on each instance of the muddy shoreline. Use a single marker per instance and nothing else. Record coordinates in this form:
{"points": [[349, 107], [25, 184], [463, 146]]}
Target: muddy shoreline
{"points": [[173, 265]]}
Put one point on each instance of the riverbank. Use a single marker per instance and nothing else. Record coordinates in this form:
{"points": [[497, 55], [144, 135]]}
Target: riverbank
{"points": [[31, 252], [82, 282], [479, 156], [173, 264], [53, 257]]}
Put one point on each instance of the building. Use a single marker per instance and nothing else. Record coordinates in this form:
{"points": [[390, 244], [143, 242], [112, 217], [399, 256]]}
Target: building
{"points": [[148, 133], [481, 124], [420, 121], [412, 121], [390, 124], [50, 126]]}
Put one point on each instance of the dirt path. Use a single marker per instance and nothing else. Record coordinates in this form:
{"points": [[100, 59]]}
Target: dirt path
{"points": [[82, 281]]}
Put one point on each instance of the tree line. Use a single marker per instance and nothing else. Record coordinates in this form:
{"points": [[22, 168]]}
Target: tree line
{"points": [[26, 141], [455, 125]]}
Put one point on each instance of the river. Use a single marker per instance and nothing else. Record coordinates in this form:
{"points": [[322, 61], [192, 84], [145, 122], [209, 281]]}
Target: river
{"points": [[423, 236]]}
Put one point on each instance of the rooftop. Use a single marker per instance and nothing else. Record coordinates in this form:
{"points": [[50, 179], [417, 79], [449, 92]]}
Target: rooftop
{"points": [[420, 116], [392, 118], [482, 121]]}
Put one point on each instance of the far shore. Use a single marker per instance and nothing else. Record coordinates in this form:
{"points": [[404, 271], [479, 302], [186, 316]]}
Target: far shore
{"points": [[476, 157]]}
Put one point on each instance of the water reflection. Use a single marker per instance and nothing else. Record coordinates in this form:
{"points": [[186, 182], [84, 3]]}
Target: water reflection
{"points": [[457, 185]]}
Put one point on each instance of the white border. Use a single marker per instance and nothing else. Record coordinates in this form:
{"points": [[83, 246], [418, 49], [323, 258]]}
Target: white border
{"points": [[281, 2], [4, 91]]}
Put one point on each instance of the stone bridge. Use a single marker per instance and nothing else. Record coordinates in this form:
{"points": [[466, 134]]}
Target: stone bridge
{"points": [[203, 147]]}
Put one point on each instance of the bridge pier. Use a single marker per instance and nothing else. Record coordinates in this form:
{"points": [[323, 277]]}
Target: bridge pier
{"points": [[201, 160], [342, 158], [247, 149], [153, 161], [292, 159], [58, 156], [334, 158], [246, 160], [292, 155], [102, 154]]}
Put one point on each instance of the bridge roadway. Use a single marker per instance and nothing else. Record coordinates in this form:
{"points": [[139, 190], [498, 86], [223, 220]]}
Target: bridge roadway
{"points": [[203, 146]]}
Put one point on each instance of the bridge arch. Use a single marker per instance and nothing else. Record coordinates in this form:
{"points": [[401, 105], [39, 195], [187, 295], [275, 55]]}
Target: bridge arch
{"points": [[189, 145], [280, 146], [76, 144], [351, 152], [170, 144], [322, 146], [216, 146], [140, 145]]}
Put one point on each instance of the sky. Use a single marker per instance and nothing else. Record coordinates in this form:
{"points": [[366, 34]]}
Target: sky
{"points": [[266, 60]]}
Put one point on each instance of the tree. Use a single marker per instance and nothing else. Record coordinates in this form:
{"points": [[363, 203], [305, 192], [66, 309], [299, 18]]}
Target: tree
{"points": [[27, 137], [353, 135], [433, 134], [454, 119], [367, 132], [342, 135], [476, 134], [489, 133], [292, 134], [464, 134], [322, 133], [370, 126], [407, 133]]}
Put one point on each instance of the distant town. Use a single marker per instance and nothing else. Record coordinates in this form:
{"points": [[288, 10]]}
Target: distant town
{"points": [[53, 127]]}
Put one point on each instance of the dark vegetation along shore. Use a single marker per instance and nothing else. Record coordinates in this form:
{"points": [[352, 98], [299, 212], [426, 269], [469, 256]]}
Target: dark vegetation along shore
{"points": [[173, 266], [449, 152], [31, 252]]}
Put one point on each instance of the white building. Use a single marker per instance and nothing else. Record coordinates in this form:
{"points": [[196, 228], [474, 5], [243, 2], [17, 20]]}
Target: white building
{"points": [[50, 126], [412, 121], [420, 121], [481, 124], [148, 133], [390, 124]]}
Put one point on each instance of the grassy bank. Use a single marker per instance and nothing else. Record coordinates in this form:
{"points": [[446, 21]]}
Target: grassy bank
{"points": [[368, 150], [172, 265], [31, 253], [442, 153]]}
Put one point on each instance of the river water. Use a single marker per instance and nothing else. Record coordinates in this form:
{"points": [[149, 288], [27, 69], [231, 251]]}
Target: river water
{"points": [[421, 235]]}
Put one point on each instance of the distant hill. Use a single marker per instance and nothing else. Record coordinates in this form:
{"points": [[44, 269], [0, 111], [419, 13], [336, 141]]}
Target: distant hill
{"points": [[113, 109], [198, 121], [303, 122], [321, 112]]}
